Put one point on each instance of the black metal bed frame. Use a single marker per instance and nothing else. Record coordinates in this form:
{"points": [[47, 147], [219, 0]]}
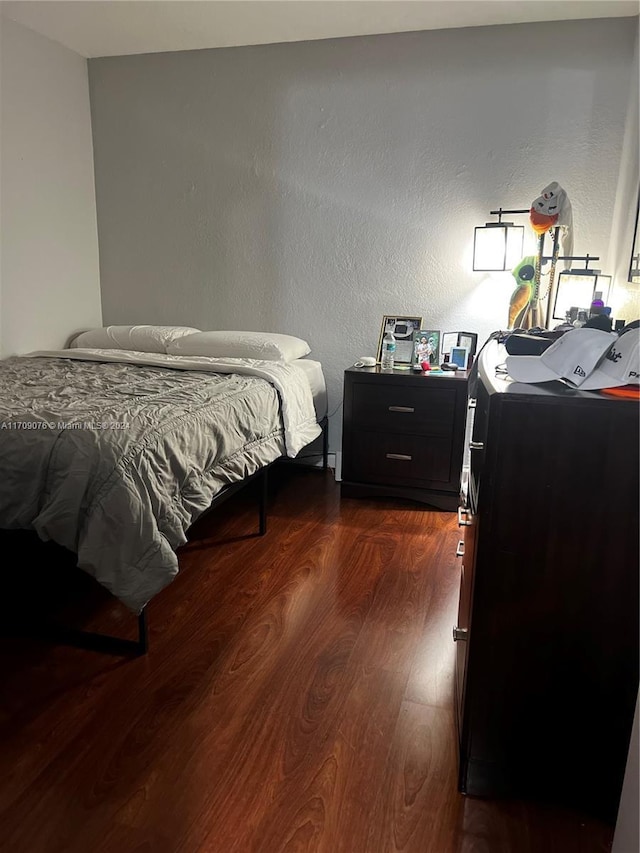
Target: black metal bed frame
{"points": [[108, 644]]}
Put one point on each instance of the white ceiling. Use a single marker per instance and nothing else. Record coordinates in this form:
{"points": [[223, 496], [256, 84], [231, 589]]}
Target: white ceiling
{"points": [[117, 27]]}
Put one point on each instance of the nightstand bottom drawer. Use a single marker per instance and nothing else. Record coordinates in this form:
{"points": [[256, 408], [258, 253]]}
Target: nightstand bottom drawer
{"points": [[398, 459]]}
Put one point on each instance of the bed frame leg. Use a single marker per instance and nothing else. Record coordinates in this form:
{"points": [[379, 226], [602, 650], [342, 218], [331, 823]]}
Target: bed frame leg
{"points": [[93, 642], [264, 489], [143, 632], [325, 444]]}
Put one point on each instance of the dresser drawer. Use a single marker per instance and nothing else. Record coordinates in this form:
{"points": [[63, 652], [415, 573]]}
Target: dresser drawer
{"points": [[400, 459], [399, 409]]}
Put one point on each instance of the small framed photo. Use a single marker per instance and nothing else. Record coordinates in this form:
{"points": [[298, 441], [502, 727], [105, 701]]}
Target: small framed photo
{"points": [[459, 339], [427, 346], [459, 356], [449, 339], [468, 340], [403, 329]]}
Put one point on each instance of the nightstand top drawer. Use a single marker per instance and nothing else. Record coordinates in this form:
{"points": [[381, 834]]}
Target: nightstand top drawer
{"points": [[404, 409]]}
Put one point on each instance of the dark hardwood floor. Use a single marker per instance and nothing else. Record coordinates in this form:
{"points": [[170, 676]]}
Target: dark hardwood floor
{"points": [[297, 696]]}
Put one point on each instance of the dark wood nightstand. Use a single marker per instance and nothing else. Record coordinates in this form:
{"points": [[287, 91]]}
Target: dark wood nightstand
{"points": [[403, 435]]}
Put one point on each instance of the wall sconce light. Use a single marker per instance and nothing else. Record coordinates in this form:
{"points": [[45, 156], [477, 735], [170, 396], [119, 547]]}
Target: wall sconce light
{"points": [[497, 246], [577, 288]]}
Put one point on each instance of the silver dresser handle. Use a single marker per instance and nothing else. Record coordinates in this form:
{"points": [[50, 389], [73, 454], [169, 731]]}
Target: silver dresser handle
{"points": [[476, 445], [460, 549], [408, 409], [461, 512], [401, 456], [472, 402], [460, 634]]}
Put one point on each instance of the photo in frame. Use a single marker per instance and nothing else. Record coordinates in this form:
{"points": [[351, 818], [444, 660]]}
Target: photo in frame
{"points": [[459, 356], [449, 339], [468, 340], [427, 347], [403, 329]]}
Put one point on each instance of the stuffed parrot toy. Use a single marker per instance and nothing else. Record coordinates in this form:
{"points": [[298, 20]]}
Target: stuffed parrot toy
{"points": [[521, 297]]}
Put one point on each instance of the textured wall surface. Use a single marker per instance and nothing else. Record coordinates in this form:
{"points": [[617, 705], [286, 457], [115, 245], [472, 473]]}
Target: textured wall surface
{"points": [[310, 188], [626, 296], [50, 283], [627, 837]]}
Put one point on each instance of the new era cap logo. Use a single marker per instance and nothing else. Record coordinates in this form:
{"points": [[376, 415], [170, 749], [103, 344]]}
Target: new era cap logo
{"points": [[613, 355], [579, 371]]}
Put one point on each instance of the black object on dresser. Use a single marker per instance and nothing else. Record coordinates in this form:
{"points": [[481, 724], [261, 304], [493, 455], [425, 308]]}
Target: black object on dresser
{"points": [[547, 632], [403, 435]]}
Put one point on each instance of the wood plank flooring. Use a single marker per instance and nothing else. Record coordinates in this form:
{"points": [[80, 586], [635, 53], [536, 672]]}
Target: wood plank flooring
{"points": [[297, 696]]}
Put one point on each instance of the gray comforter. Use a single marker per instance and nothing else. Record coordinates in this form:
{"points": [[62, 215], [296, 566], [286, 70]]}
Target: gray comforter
{"points": [[115, 456]]}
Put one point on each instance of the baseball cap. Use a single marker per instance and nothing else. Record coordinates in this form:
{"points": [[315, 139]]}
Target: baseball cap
{"points": [[573, 357], [620, 365]]}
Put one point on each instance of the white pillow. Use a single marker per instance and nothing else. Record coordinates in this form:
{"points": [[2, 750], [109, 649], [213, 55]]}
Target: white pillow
{"points": [[267, 346], [138, 338]]}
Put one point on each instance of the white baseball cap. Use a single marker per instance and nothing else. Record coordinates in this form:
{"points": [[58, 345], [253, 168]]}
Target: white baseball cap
{"points": [[573, 357], [620, 365]]}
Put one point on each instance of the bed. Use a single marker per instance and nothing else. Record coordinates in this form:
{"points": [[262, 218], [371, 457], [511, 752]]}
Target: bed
{"points": [[114, 453]]}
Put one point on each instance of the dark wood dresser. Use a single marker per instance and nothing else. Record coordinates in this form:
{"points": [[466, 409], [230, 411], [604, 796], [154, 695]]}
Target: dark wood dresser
{"points": [[403, 435], [547, 632]]}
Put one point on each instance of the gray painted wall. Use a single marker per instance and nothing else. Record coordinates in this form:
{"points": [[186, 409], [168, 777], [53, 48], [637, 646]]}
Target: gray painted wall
{"points": [[49, 282], [309, 188], [626, 297], [627, 836]]}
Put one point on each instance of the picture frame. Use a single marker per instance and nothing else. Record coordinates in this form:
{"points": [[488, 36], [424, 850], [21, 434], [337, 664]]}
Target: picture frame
{"points": [[459, 339], [468, 340], [427, 346], [403, 329], [449, 339], [459, 356]]}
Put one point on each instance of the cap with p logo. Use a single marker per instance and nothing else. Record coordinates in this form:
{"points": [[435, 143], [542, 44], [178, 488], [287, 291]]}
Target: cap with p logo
{"points": [[573, 357]]}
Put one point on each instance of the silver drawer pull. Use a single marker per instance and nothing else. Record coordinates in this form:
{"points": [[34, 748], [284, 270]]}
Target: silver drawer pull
{"points": [[408, 409], [472, 402], [402, 457], [476, 445], [462, 511], [460, 549], [460, 634]]}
